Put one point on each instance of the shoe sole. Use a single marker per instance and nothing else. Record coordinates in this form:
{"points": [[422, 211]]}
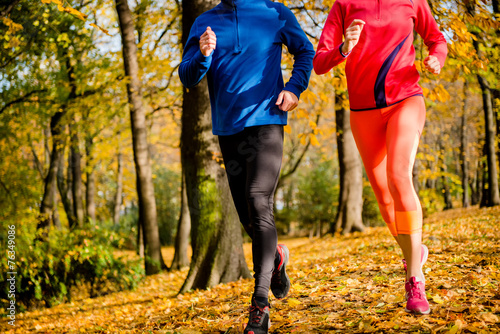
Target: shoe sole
{"points": [[251, 331], [417, 312], [286, 253]]}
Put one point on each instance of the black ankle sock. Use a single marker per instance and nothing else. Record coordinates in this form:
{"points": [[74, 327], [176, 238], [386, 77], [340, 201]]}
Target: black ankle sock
{"points": [[277, 259], [262, 301]]}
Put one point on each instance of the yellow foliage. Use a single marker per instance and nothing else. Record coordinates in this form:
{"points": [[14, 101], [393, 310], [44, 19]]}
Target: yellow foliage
{"points": [[314, 140], [13, 26]]}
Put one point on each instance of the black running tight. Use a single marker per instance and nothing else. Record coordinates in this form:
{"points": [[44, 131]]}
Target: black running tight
{"points": [[252, 159]]}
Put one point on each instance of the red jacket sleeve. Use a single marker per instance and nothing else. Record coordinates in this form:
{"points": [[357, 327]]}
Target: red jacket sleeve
{"points": [[427, 27], [330, 43]]}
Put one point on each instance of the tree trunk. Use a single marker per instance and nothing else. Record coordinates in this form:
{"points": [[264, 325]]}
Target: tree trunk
{"points": [[47, 206], [216, 237], [495, 93], [140, 239], [448, 203], [464, 150], [477, 185], [145, 188], [64, 186], [349, 214], [76, 157], [91, 187], [55, 217], [492, 193], [76, 170], [119, 191], [183, 230]]}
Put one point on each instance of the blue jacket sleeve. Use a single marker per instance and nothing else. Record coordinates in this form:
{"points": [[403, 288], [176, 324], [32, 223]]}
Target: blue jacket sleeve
{"points": [[194, 64], [302, 50]]}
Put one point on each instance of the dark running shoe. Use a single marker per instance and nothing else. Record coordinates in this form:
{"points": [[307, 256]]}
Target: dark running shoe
{"points": [[280, 283], [258, 320]]}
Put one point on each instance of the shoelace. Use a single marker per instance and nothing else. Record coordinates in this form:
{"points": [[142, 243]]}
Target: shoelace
{"points": [[256, 314], [415, 291]]}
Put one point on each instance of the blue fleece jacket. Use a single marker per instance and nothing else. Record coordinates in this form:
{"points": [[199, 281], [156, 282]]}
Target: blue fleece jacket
{"points": [[244, 71]]}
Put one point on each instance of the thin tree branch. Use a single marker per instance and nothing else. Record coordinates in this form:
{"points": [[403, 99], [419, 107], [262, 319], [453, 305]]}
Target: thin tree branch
{"points": [[9, 8], [9, 195], [21, 99], [166, 30], [168, 83], [38, 164], [288, 173]]}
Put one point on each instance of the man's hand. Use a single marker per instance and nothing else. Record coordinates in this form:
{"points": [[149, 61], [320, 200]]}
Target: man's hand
{"points": [[287, 101], [207, 42], [432, 64], [352, 35]]}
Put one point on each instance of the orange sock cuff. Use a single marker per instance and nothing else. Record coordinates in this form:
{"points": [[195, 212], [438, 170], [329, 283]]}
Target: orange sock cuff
{"points": [[408, 222], [392, 228]]}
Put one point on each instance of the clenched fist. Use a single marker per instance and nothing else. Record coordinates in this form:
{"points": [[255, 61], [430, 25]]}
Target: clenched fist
{"points": [[287, 101], [207, 42], [432, 64], [352, 35]]}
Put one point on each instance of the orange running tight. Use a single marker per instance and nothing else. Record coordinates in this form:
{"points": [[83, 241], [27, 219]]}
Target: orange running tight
{"points": [[387, 140]]}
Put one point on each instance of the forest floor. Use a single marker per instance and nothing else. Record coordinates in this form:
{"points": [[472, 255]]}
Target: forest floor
{"points": [[343, 284]]}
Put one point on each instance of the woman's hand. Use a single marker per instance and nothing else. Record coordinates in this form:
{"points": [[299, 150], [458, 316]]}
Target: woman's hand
{"points": [[352, 35], [432, 64]]}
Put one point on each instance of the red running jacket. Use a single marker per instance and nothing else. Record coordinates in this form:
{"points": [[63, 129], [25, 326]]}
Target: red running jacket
{"points": [[381, 68]]}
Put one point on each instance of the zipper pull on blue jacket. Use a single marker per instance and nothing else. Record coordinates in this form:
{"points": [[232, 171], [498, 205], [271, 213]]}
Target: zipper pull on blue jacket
{"points": [[237, 46]]}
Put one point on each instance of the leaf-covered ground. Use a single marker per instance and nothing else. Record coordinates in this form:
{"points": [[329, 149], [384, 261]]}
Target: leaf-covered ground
{"points": [[351, 284]]}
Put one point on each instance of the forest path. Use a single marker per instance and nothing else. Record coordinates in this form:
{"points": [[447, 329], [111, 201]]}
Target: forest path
{"points": [[346, 284]]}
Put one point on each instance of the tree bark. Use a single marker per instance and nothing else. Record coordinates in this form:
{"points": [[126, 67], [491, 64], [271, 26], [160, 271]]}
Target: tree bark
{"points": [[47, 206], [477, 184], [75, 156], [90, 174], [183, 230], [145, 188], [215, 230], [349, 214], [140, 240], [492, 192], [64, 186], [464, 150], [90, 195], [448, 203], [119, 191], [77, 185], [495, 96]]}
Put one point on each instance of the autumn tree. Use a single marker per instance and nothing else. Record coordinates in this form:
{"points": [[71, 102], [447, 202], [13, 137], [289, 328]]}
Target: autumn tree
{"points": [[215, 229], [348, 218], [145, 189]]}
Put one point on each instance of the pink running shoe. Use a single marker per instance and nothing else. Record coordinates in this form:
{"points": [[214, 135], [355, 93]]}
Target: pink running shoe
{"points": [[415, 295], [423, 259]]}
